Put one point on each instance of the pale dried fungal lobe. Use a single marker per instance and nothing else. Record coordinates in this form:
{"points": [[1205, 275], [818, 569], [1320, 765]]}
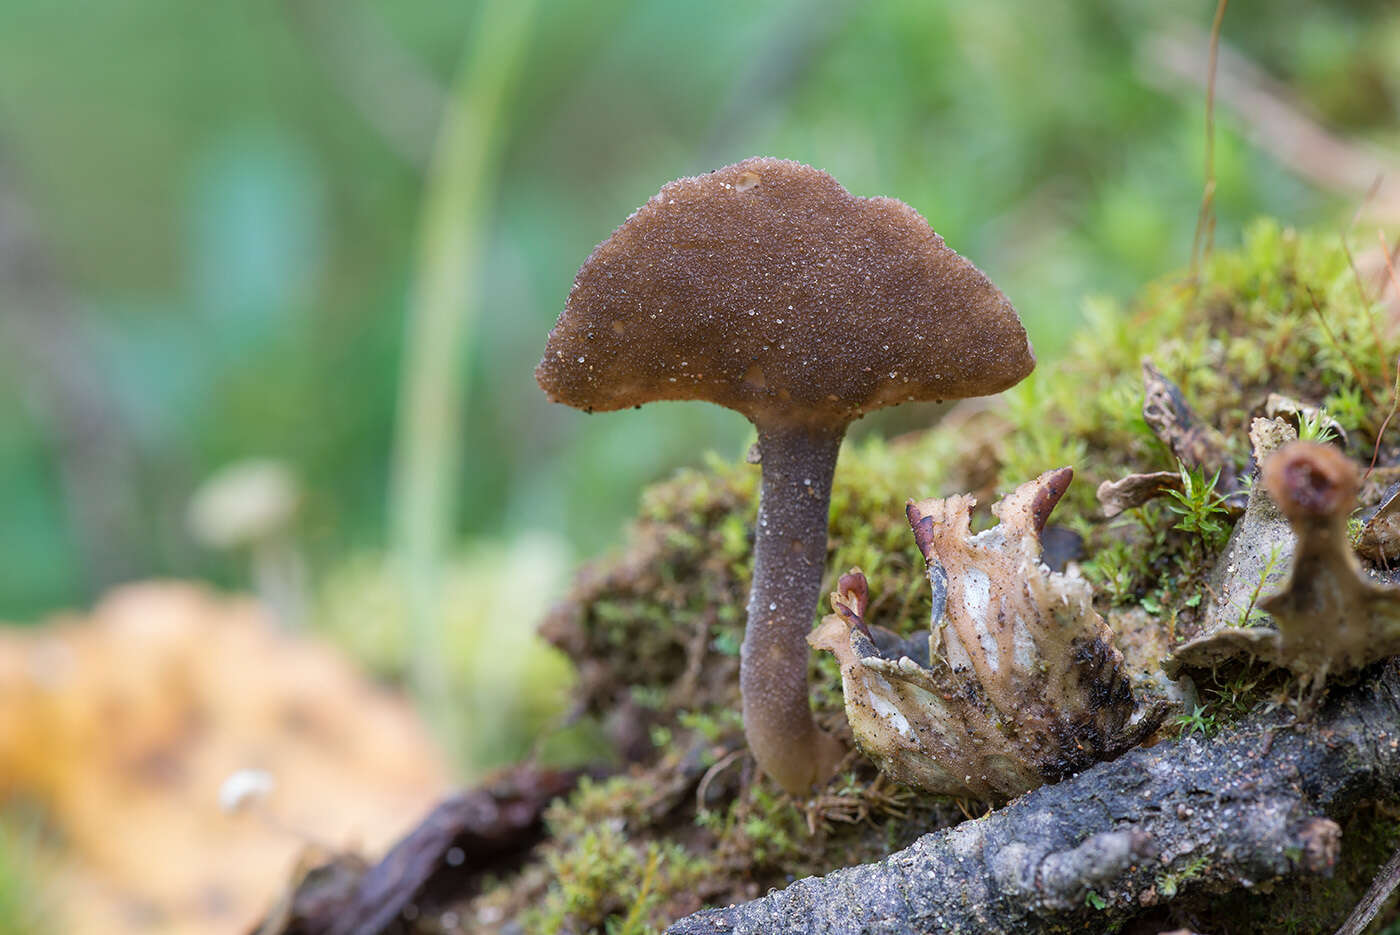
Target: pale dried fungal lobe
{"points": [[1126, 493], [1019, 682], [1329, 617]]}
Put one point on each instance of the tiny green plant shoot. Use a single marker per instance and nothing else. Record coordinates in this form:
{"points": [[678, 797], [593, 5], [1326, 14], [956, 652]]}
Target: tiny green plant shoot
{"points": [[1252, 613], [1201, 509], [1196, 721], [1315, 425]]}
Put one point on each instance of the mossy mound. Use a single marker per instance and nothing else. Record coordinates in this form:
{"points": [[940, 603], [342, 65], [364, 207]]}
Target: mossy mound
{"points": [[655, 631]]}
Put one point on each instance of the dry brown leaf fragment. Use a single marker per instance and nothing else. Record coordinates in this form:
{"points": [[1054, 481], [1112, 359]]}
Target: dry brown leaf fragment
{"points": [[1020, 683], [1126, 493], [1193, 442]]}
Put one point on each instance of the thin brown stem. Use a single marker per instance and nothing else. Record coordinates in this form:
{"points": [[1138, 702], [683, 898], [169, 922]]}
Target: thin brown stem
{"points": [[1351, 261], [1346, 236], [1395, 392], [1388, 256], [789, 562], [1205, 222]]}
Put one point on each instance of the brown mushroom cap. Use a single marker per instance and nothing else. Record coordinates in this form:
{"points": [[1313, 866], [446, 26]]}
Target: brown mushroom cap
{"points": [[765, 286]]}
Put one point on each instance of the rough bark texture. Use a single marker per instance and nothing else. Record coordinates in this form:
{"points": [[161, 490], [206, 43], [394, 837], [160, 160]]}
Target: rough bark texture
{"points": [[1252, 805]]}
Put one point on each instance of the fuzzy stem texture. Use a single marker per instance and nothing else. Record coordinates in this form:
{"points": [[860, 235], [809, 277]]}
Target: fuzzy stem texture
{"points": [[789, 560]]}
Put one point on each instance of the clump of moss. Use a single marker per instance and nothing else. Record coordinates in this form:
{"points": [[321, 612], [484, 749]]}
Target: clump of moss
{"points": [[655, 631], [1283, 314], [606, 878]]}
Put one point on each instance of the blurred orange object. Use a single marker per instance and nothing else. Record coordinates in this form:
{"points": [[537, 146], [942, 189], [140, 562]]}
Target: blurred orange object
{"points": [[124, 726]]}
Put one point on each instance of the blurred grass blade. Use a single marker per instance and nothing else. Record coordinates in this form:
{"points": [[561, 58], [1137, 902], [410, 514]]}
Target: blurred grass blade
{"points": [[456, 199]]}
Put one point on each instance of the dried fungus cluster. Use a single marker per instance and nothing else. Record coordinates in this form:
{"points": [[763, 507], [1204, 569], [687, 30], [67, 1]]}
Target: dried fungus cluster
{"points": [[1019, 683], [1329, 617]]}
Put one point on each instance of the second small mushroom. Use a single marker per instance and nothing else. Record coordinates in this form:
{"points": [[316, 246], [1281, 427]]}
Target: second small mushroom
{"points": [[767, 288], [1330, 617]]}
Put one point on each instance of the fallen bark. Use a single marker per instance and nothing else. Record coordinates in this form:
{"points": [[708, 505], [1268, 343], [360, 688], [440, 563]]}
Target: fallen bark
{"points": [[1188, 817]]}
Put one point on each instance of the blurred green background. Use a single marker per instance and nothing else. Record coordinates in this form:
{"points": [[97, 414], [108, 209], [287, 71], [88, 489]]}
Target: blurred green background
{"points": [[211, 216]]}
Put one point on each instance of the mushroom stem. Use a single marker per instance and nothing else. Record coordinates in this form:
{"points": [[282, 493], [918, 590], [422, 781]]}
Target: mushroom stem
{"points": [[789, 561]]}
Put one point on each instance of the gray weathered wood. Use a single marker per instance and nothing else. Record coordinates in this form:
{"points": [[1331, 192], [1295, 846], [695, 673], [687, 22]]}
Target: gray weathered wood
{"points": [[1254, 804]]}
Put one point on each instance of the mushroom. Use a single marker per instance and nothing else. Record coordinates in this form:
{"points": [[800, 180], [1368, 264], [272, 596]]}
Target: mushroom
{"points": [[1329, 616], [767, 288], [252, 505]]}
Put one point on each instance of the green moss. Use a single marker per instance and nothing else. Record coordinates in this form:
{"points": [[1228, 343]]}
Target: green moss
{"points": [[714, 726], [611, 801], [604, 880], [642, 839], [1281, 314]]}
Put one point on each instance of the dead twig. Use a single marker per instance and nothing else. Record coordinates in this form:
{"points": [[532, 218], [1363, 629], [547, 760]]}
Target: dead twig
{"points": [[1213, 816], [720, 766]]}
